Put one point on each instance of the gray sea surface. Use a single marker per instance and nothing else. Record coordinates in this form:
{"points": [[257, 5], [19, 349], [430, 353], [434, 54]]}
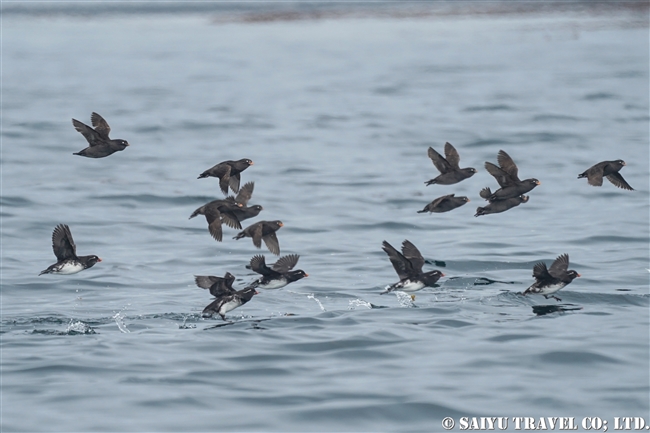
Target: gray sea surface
{"points": [[337, 107]]}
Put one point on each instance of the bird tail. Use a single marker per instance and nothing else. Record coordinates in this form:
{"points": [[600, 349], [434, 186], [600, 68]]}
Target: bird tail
{"points": [[480, 211], [240, 235], [581, 175], [430, 182], [202, 175], [422, 211]]}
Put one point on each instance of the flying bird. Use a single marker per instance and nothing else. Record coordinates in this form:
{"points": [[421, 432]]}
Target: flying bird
{"points": [[408, 265], [506, 174], [65, 251], [608, 169], [445, 204], [218, 211], [449, 168], [551, 280], [229, 173], [100, 144], [277, 275], [263, 231], [499, 206]]}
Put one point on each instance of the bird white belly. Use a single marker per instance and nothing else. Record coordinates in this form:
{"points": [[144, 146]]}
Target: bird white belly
{"points": [[409, 286], [549, 290], [70, 268], [229, 306]]}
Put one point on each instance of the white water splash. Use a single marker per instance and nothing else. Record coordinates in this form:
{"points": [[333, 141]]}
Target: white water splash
{"points": [[119, 320], [405, 300], [311, 296], [79, 327], [358, 303]]}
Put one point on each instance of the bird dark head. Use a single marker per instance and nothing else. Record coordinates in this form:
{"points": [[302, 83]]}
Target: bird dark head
{"points": [[257, 207], [524, 198], [278, 223], [535, 181], [573, 274], [472, 170], [123, 143], [620, 162], [229, 276], [91, 260], [248, 161], [465, 199]]}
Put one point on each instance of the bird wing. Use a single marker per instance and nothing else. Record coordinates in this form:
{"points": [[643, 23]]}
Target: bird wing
{"points": [[92, 137], [439, 200], [439, 162], [508, 165], [401, 265], [503, 178], [272, 243], [258, 264], [234, 182], [594, 174], [63, 244], [245, 193], [540, 272], [413, 255], [206, 281], [286, 263], [452, 156], [256, 234], [559, 267], [100, 125], [213, 216], [618, 181]]}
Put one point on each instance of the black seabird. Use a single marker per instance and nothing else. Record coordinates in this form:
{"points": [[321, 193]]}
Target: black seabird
{"points": [[445, 204], [100, 144], [507, 177], [279, 274], [219, 211], [226, 303], [263, 231], [228, 173], [499, 206], [608, 169], [66, 253], [244, 195], [408, 265], [450, 171], [549, 281]]}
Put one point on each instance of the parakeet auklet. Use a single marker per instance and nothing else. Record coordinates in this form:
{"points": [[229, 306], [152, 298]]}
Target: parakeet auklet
{"points": [[608, 169], [219, 211], [408, 266], [217, 286], [499, 206], [228, 173], [450, 171], [263, 231], [549, 281], [444, 204], [278, 275], [507, 177], [244, 195], [226, 303], [100, 144], [66, 253]]}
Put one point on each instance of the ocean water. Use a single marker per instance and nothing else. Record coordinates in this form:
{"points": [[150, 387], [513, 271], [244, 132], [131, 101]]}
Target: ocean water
{"points": [[337, 114]]}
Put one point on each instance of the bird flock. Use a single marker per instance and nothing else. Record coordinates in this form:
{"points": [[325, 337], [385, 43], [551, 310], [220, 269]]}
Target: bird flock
{"points": [[408, 264]]}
